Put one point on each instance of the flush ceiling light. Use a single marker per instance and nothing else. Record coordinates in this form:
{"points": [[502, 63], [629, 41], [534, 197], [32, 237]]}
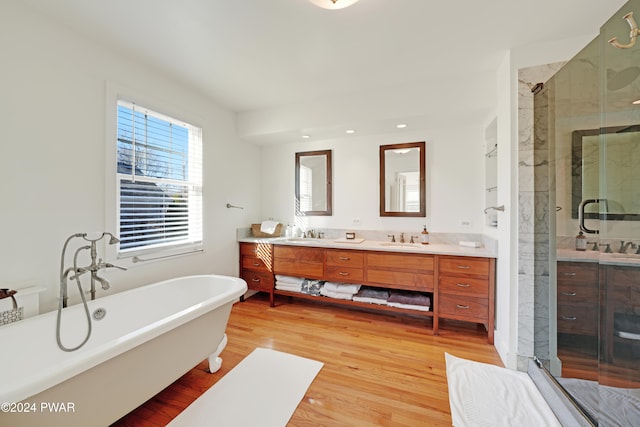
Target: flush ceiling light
{"points": [[401, 125], [350, 131], [333, 4]]}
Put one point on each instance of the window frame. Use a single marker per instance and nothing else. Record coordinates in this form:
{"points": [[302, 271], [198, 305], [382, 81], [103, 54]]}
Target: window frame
{"points": [[115, 95]]}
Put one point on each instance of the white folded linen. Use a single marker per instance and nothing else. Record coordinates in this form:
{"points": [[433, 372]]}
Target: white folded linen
{"points": [[336, 295], [268, 227], [408, 306], [288, 287], [370, 300], [290, 279], [344, 288]]}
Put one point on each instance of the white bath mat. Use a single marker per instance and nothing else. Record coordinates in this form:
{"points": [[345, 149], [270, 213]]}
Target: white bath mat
{"points": [[483, 395], [264, 389]]}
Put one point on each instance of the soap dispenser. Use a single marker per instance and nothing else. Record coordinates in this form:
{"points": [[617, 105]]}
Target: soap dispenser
{"points": [[425, 235], [581, 242]]}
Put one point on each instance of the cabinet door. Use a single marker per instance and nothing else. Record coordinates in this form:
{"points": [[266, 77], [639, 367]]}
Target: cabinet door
{"points": [[298, 262]]}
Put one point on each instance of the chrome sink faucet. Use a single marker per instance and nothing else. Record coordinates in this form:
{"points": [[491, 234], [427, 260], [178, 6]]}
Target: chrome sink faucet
{"points": [[624, 246]]}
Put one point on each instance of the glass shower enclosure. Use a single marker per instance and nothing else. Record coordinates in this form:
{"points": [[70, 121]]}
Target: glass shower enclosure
{"points": [[589, 112]]}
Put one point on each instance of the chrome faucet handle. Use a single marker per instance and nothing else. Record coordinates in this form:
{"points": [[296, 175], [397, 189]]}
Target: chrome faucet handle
{"points": [[413, 237], [608, 249], [595, 245], [401, 237], [393, 237]]}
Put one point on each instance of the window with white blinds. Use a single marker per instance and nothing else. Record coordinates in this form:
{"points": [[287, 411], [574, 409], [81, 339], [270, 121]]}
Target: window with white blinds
{"points": [[159, 171]]}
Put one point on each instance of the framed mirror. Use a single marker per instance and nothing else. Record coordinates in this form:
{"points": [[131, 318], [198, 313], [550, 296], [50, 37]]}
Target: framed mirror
{"points": [[402, 180], [313, 183], [616, 148]]}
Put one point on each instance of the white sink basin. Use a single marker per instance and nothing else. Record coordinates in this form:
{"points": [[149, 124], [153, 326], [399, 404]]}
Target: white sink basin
{"points": [[625, 256], [306, 240], [399, 245]]}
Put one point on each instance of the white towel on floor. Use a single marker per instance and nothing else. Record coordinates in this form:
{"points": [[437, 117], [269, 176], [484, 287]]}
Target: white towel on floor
{"points": [[343, 288]]}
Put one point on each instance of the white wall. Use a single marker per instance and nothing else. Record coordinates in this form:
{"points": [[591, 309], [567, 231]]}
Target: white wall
{"points": [[454, 173], [52, 154]]}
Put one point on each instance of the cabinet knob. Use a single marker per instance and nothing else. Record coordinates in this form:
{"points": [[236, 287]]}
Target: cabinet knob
{"points": [[569, 294], [569, 318], [256, 264], [463, 285], [569, 273], [464, 267], [344, 258], [465, 307], [342, 273], [255, 280]]}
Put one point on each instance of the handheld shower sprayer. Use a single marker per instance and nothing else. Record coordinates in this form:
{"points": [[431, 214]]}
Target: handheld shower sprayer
{"points": [[75, 272]]}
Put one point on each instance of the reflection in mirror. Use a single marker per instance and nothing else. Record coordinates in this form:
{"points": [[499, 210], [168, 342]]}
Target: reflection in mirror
{"points": [[402, 180], [313, 183], [622, 178]]}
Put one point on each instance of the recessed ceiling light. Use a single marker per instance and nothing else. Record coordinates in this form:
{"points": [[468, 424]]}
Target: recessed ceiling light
{"points": [[306, 136], [636, 102], [401, 125], [350, 131]]}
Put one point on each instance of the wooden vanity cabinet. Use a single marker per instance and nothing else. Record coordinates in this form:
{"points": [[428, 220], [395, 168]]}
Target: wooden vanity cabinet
{"points": [[622, 312], [578, 301], [256, 266], [466, 291]]}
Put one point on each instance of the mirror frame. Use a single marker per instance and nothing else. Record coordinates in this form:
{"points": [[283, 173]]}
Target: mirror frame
{"points": [[329, 196], [423, 205], [576, 173]]}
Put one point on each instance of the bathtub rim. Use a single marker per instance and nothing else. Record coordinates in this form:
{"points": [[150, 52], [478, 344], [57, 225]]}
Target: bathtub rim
{"points": [[80, 361]]}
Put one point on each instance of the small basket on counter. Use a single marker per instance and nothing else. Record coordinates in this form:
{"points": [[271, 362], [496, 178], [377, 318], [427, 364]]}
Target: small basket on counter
{"points": [[255, 231], [12, 315]]}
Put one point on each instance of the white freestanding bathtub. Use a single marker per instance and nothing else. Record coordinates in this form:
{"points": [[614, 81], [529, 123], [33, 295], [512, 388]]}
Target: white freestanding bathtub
{"points": [[148, 338]]}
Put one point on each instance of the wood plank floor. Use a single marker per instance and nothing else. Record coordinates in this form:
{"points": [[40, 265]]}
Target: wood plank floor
{"points": [[379, 370]]}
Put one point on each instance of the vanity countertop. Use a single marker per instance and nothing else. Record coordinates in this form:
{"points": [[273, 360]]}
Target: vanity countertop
{"points": [[600, 257], [376, 245]]}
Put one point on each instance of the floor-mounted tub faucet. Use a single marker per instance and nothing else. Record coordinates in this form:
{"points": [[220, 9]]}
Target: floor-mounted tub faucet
{"points": [[74, 273]]}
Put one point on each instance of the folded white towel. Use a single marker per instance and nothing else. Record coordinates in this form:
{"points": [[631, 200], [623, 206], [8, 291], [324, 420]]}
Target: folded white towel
{"points": [[336, 295], [268, 226], [290, 279], [288, 287], [408, 306], [344, 288], [370, 300]]}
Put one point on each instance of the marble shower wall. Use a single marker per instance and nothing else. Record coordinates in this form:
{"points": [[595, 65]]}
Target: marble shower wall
{"points": [[534, 172]]}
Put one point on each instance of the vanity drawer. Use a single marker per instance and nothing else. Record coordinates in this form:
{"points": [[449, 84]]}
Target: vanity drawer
{"points": [[581, 274], [577, 319], [344, 274], [465, 266], [258, 281], [299, 254], [255, 263], [463, 286], [400, 280], [463, 308], [571, 293], [345, 258], [400, 262]]}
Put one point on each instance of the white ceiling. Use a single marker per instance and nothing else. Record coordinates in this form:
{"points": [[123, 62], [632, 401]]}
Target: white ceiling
{"points": [[262, 57]]}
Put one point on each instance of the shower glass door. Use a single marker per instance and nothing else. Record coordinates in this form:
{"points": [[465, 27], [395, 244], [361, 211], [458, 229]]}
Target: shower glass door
{"points": [[589, 113], [619, 367]]}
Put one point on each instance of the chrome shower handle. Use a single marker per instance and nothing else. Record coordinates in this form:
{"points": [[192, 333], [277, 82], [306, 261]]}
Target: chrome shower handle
{"points": [[581, 214]]}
